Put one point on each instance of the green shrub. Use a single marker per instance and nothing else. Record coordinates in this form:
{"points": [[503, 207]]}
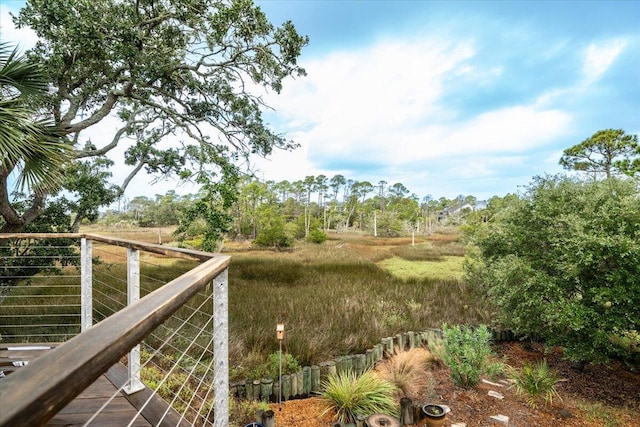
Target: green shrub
{"points": [[560, 263], [466, 351], [274, 237], [317, 236], [271, 229], [271, 369], [171, 388], [350, 395], [536, 381], [494, 368]]}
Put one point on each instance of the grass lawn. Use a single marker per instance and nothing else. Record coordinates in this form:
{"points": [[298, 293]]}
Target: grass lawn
{"points": [[449, 267]]}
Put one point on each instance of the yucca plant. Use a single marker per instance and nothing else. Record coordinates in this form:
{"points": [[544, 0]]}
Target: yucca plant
{"points": [[536, 381], [407, 370], [350, 395]]}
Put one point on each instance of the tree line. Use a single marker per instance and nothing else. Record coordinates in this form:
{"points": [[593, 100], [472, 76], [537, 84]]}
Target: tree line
{"points": [[277, 213]]}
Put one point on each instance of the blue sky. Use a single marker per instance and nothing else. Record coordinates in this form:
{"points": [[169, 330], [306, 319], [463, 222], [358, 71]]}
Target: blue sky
{"points": [[450, 97]]}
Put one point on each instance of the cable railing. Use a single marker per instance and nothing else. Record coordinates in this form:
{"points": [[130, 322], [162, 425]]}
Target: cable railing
{"points": [[156, 327], [44, 299]]}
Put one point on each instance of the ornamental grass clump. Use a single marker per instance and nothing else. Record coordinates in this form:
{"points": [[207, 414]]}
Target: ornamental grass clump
{"points": [[407, 370], [350, 395], [536, 381]]}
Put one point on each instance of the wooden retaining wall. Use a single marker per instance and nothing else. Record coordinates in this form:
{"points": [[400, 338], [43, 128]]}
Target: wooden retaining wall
{"points": [[307, 382]]}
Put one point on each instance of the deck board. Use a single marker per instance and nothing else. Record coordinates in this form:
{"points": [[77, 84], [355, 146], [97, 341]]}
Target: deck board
{"points": [[120, 411]]}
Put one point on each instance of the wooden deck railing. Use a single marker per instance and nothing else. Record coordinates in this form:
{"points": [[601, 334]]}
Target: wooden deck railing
{"points": [[35, 393]]}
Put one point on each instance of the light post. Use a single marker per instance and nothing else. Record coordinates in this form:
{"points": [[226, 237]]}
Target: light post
{"points": [[280, 337]]}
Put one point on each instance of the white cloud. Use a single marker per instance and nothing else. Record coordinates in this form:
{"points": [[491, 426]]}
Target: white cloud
{"points": [[509, 130], [599, 57], [390, 85], [385, 105], [285, 165]]}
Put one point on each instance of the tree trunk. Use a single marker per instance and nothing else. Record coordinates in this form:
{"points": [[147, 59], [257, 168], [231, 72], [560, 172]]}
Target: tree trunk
{"points": [[15, 223]]}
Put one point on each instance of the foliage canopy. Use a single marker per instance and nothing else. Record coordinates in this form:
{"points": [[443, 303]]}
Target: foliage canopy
{"points": [[563, 263], [180, 69], [609, 151]]}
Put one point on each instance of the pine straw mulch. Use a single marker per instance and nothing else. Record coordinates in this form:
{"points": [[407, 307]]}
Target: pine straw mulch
{"points": [[593, 397]]}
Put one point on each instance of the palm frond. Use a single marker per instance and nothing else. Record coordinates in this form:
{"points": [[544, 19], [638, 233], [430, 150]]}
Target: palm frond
{"points": [[17, 74], [27, 144]]}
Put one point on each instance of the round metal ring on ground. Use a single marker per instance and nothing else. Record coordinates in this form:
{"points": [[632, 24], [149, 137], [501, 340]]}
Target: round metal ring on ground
{"points": [[382, 420]]}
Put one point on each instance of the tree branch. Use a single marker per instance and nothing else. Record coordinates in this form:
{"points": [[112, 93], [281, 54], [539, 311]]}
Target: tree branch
{"points": [[101, 113], [133, 173]]}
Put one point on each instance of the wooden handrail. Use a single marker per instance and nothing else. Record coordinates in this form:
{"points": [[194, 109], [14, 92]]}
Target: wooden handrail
{"points": [[35, 393], [149, 247]]}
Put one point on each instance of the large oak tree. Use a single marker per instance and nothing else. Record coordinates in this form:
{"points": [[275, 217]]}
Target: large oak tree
{"points": [[177, 69]]}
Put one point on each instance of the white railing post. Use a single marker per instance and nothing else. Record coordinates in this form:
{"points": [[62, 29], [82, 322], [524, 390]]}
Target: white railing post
{"points": [[133, 295], [221, 348], [86, 285]]}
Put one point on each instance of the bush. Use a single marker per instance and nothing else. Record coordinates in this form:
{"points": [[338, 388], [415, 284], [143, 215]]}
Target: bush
{"points": [[561, 265], [271, 369], [349, 396], [273, 236], [243, 412], [466, 351], [317, 236], [535, 381], [271, 228]]}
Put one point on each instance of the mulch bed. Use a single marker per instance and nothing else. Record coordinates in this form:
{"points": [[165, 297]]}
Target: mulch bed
{"points": [[591, 397]]}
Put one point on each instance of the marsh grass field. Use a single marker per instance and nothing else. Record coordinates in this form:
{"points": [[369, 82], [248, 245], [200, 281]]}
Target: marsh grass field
{"points": [[342, 296], [335, 298]]}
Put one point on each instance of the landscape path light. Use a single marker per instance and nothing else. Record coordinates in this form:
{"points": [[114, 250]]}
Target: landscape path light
{"points": [[280, 338]]}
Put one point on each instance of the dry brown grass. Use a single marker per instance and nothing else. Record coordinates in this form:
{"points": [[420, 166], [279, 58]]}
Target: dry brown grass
{"points": [[162, 235], [408, 370]]}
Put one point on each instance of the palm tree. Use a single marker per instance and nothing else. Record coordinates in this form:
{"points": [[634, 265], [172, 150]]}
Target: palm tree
{"points": [[25, 142], [28, 145]]}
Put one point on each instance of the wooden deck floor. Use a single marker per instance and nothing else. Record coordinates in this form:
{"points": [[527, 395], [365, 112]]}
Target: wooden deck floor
{"points": [[119, 412]]}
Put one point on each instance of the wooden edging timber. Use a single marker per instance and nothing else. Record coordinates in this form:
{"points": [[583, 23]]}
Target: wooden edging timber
{"points": [[37, 392], [309, 379]]}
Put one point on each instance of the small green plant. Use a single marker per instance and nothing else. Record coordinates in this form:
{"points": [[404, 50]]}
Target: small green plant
{"points": [[536, 381], [271, 368], [173, 388], [466, 352], [350, 395], [495, 368], [600, 414], [242, 412]]}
